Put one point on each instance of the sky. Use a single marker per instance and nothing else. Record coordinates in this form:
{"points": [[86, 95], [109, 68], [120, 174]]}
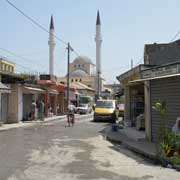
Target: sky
{"points": [[127, 25]]}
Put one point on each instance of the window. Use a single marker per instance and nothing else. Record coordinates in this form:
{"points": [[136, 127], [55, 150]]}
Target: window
{"points": [[76, 80], [80, 80], [75, 65], [3, 67], [105, 104], [79, 65], [6, 67], [72, 80]]}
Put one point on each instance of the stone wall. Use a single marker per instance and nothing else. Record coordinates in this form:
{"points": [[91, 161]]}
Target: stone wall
{"points": [[158, 54]]}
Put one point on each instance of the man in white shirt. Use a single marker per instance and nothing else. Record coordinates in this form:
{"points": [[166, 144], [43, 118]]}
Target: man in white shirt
{"points": [[70, 114]]}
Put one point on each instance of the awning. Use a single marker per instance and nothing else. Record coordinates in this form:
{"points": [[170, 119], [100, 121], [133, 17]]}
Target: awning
{"points": [[33, 89], [153, 78], [52, 91], [77, 93], [4, 88]]}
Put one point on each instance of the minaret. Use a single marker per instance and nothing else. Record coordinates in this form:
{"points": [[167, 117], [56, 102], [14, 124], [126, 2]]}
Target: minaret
{"points": [[52, 44], [98, 40]]}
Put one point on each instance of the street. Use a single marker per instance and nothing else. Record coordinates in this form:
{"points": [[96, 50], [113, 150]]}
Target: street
{"points": [[53, 151]]}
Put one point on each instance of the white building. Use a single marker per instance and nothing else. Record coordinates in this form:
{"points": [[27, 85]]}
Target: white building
{"points": [[83, 70]]}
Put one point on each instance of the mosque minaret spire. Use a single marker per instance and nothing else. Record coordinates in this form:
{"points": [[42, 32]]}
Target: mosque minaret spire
{"points": [[98, 40], [52, 44]]}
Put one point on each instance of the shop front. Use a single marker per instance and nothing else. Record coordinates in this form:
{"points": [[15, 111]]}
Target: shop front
{"points": [[30, 94], [50, 100], [54, 97], [163, 84], [134, 98], [136, 104], [4, 99]]}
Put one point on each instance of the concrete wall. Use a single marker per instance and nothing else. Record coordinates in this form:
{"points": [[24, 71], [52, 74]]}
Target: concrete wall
{"points": [[158, 54], [127, 103], [147, 110], [15, 104]]}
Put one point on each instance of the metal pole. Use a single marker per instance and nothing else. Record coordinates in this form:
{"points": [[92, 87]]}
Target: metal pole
{"points": [[68, 62], [98, 84], [131, 63]]}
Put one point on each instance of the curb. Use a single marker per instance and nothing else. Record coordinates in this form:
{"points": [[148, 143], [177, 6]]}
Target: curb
{"points": [[132, 148], [30, 123]]}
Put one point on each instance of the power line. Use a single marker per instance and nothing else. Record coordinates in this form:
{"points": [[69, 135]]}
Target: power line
{"points": [[177, 34], [18, 56], [19, 64], [39, 25], [34, 21]]}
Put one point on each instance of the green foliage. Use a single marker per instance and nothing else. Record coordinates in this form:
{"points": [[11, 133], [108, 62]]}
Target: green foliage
{"points": [[168, 144], [25, 76], [170, 148], [161, 107], [165, 149], [85, 99], [175, 160]]}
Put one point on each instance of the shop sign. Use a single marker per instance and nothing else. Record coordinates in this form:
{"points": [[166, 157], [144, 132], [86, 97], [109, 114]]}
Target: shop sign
{"points": [[161, 71]]}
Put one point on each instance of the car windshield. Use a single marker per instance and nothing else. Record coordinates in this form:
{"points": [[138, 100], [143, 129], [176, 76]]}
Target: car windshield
{"points": [[105, 104], [83, 105]]}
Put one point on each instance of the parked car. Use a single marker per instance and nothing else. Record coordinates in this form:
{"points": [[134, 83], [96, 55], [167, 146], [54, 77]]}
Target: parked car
{"points": [[105, 110], [84, 109]]}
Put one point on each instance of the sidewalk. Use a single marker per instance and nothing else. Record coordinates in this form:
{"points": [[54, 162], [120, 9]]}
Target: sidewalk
{"points": [[5, 127], [136, 144]]}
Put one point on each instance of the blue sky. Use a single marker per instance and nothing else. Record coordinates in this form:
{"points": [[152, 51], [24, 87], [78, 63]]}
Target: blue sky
{"points": [[126, 26]]}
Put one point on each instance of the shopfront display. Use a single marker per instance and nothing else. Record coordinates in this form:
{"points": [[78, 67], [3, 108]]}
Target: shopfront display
{"points": [[137, 102]]}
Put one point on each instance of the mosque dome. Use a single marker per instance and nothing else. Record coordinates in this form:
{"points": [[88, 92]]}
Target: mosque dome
{"points": [[83, 59], [79, 73]]}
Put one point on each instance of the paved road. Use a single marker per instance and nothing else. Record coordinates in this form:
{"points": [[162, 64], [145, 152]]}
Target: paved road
{"points": [[53, 151]]}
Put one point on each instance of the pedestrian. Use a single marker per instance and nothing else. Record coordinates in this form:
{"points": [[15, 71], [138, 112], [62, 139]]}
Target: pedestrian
{"points": [[33, 110], [70, 114], [41, 110], [176, 127]]}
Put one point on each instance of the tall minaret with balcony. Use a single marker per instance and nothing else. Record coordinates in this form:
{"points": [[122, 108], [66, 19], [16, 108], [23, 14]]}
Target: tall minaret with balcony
{"points": [[98, 40], [52, 44]]}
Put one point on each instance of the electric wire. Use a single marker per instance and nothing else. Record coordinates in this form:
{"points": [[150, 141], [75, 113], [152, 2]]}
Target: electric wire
{"points": [[39, 25], [18, 56], [176, 35]]}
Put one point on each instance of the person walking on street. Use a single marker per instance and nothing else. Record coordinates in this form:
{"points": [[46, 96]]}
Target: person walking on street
{"points": [[70, 115], [41, 110], [33, 110]]}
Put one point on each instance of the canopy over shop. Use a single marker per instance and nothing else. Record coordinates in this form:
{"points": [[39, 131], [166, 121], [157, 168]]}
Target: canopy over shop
{"points": [[134, 95], [54, 97], [162, 83]]}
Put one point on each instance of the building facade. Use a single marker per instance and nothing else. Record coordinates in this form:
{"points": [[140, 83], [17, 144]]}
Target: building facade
{"points": [[157, 80], [7, 66], [82, 70]]}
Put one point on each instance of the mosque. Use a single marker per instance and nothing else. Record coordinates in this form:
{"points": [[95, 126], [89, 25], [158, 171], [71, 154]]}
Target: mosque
{"points": [[83, 70]]}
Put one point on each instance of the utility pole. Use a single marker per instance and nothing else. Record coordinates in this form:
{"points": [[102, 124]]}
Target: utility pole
{"points": [[98, 84], [131, 63], [68, 63]]}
